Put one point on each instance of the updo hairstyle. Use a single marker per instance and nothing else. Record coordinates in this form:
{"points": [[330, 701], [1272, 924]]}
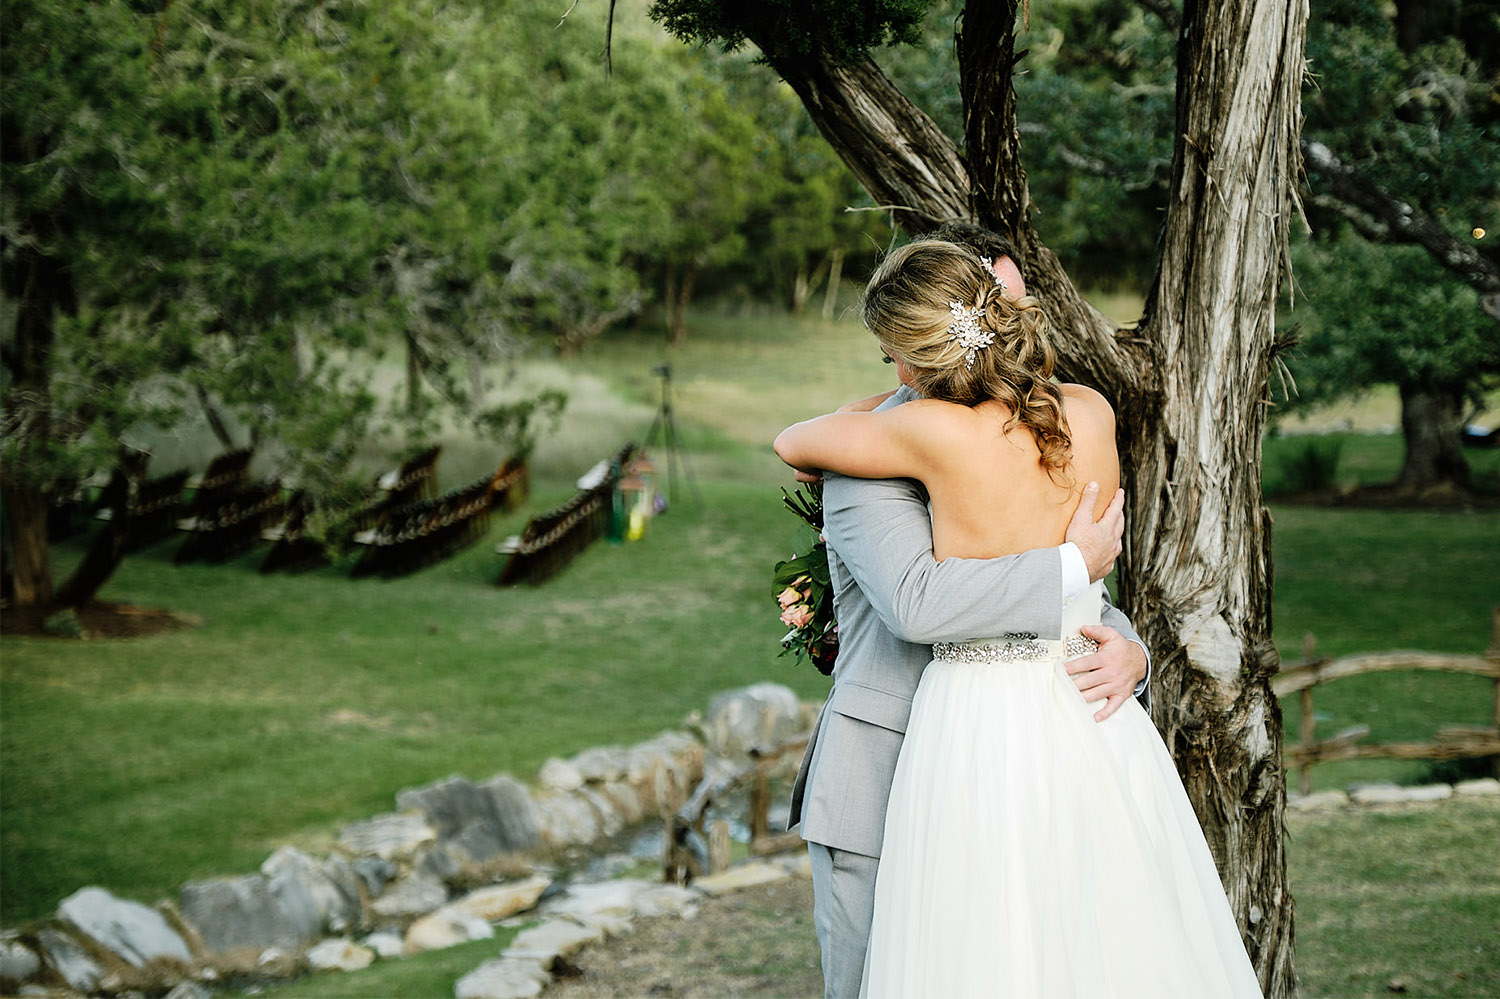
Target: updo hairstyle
{"points": [[907, 306]]}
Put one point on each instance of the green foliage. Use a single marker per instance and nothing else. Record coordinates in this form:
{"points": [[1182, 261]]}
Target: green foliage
{"points": [[1310, 465], [517, 425], [1369, 313], [1421, 121], [793, 29]]}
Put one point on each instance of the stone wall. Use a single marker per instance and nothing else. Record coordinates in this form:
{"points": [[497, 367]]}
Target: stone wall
{"points": [[454, 857]]}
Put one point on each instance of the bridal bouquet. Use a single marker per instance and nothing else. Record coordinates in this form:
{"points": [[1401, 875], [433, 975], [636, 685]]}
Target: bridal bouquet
{"points": [[802, 588]]}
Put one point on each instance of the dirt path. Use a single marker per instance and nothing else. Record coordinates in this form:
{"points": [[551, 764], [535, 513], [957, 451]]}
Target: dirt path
{"points": [[757, 942]]}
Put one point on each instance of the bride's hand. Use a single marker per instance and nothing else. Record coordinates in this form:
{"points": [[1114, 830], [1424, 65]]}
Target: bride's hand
{"points": [[1112, 672]]}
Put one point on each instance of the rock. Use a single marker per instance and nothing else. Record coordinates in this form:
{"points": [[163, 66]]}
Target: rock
{"points": [[560, 775], [1382, 793], [468, 819], [625, 800], [1318, 801], [743, 876], [566, 820], [603, 763], [614, 898], [1479, 787], [389, 837], [763, 714], [665, 900], [375, 873], [673, 759], [1429, 792], [127, 929], [385, 944], [332, 885], [18, 963], [607, 923], [339, 954], [515, 811], [274, 962], [503, 978], [445, 928], [414, 895], [499, 901], [548, 941], [610, 820], [189, 990], [65, 956], [444, 862], [251, 912]]}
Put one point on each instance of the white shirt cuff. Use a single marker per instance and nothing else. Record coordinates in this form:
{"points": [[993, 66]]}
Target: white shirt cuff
{"points": [[1075, 572]]}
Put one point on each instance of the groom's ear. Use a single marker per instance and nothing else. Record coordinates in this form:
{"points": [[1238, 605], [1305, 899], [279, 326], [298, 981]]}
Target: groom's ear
{"points": [[1009, 275]]}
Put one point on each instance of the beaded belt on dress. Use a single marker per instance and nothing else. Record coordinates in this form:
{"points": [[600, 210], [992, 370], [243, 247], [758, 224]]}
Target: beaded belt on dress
{"points": [[1012, 649]]}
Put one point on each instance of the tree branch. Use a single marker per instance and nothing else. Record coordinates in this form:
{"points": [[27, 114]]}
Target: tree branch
{"points": [[1089, 348], [1382, 217], [898, 153]]}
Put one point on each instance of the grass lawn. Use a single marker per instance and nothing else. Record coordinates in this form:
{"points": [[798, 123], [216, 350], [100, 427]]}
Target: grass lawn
{"points": [[304, 702], [1393, 897]]}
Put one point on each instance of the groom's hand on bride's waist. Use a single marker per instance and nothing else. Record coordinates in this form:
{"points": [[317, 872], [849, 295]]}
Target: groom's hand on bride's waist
{"points": [[1111, 673], [1098, 540]]}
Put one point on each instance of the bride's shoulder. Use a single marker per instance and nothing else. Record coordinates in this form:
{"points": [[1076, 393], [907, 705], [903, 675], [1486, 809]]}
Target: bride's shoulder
{"points": [[1087, 403]]}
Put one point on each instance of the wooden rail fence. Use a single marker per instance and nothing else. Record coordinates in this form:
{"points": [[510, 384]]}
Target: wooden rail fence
{"points": [[691, 850], [1451, 742]]}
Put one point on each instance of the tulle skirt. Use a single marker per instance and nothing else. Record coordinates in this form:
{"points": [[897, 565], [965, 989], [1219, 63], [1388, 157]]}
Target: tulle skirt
{"points": [[1032, 852]]}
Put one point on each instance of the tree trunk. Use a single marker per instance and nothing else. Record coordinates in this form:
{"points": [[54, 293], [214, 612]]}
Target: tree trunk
{"points": [[898, 153], [413, 374], [1409, 24], [1432, 424], [1198, 537], [30, 559], [40, 286], [801, 287], [1188, 385], [215, 420], [104, 555], [835, 275], [679, 296]]}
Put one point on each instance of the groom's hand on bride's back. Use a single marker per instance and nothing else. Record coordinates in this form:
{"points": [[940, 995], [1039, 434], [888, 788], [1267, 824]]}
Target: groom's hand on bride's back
{"points": [[1098, 540]]}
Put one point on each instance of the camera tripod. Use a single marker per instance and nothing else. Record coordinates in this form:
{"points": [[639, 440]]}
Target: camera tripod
{"points": [[665, 428]]}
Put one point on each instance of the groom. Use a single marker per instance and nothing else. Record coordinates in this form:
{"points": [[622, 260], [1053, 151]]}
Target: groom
{"points": [[894, 600]]}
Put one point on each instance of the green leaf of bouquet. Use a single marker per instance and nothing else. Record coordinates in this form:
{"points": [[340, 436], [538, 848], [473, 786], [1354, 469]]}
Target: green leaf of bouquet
{"points": [[806, 539]]}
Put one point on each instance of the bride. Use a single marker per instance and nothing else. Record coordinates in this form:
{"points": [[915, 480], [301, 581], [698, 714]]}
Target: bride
{"points": [[1009, 796]]}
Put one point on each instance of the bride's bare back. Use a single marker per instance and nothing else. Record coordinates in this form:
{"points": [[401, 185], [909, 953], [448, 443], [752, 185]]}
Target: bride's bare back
{"points": [[990, 493]]}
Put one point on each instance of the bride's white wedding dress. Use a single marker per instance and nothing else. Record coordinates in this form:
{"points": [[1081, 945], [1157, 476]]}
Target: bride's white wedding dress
{"points": [[1032, 852]]}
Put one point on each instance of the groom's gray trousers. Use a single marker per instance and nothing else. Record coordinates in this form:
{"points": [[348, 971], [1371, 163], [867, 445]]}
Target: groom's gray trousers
{"points": [[843, 908], [893, 601]]}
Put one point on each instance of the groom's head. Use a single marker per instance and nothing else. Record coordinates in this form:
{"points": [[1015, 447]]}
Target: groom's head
{"points": [[1004, 256]]}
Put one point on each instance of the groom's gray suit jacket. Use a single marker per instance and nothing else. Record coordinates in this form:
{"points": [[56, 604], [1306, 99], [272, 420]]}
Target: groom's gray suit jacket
{"points": [[893, 600]]}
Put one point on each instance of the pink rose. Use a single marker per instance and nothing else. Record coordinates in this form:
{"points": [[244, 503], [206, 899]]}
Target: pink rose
{"points": [[788, 596], [797, 616]]}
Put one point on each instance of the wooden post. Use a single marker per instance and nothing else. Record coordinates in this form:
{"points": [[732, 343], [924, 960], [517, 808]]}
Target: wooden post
{"points": [[1309, 646], [760, 804]]}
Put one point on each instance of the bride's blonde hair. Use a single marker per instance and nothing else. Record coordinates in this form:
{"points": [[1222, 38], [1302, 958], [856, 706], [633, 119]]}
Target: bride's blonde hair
{"points": [[908, 306]]}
